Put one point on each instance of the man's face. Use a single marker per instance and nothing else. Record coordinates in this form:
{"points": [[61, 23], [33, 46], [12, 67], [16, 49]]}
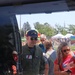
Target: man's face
{"points": [[43, 40], [31, 40]]}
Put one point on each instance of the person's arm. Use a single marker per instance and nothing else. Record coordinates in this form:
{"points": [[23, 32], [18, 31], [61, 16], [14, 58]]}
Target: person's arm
{"points": [[58, 72], [46, 69]]}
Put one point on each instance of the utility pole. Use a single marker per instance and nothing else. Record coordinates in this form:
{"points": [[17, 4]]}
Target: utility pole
{"points": [[20, 24]]}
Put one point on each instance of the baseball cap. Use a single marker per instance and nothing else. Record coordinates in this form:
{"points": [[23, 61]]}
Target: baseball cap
{"points": [[32, 33]]}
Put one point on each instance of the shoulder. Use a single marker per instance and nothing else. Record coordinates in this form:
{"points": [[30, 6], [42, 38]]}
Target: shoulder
{"points": [[24, 46], [37, 47], [54, 51], [40, 44], [46, 60], [72, 53], [38, 50]]}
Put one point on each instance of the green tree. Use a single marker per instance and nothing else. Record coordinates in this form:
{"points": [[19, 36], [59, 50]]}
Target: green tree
{"points": [[44, 29], [71, 29], [61, 29], [26, 27]]}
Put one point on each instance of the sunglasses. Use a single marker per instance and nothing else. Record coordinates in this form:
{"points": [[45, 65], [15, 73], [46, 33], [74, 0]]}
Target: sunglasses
{"points": [[33, 38], [42, 39], [66, 50]]}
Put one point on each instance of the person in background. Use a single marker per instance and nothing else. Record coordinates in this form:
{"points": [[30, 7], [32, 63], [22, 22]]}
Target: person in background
{"points": [[51, 56], [65, 62], [46, 70], [15, 58], [38, 41], [42, 39], [32, 56]]}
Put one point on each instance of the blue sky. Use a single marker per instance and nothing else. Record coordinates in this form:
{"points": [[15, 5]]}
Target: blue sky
{"points": [[60, 18]]}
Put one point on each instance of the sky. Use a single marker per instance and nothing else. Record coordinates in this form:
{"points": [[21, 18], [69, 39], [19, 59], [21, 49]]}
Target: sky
{"points": [[59, 18]]}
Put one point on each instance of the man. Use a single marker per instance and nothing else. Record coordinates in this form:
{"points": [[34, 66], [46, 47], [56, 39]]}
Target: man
{"points": [[32, 56], [42, 39]]}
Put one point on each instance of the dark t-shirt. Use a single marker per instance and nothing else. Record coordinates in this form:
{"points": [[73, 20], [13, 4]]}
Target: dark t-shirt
{"points": [[42, 47]]}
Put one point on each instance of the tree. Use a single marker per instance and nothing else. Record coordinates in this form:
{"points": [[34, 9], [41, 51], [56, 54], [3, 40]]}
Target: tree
{"points": [[71, 29], [26, 27], [22, 32], [61, 29], [44, 29]]}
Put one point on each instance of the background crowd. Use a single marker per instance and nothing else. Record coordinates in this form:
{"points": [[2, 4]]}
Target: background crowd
{"points": [[40, 57]]}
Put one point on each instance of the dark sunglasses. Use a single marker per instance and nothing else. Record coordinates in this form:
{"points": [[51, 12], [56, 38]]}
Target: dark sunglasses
{"points": [[33, 38], [66, 50]]}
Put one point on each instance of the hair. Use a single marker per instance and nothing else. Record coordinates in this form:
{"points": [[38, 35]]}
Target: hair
{"points": [[48, 44], [43, 36], [59, 51]]}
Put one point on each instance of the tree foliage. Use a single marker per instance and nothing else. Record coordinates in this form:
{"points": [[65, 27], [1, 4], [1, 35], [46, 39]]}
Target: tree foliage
{"points": [[26, 27], [48, 30], [71, 29], [44, 28], [61, 29], [22, 32]]}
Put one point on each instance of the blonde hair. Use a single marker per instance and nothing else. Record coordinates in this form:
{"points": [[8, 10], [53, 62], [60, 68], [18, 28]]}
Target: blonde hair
{"points": [[43, 36], [59, 51]]}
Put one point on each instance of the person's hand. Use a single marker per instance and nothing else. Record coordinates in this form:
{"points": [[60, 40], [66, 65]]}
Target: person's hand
{"points": [[14, 69], [14, 72], [66, 68], [72, 64], [69, 65], [68, 72]]}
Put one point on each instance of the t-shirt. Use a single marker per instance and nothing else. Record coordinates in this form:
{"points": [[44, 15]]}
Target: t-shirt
{"points": [[66, 62], [51, 56], [42, 47]]}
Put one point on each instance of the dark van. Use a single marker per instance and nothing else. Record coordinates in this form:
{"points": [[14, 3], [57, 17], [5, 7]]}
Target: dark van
{"points": [[10, 41]]}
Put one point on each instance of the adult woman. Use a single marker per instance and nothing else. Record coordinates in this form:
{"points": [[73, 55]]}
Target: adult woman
{"points": [[65, 62]]}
